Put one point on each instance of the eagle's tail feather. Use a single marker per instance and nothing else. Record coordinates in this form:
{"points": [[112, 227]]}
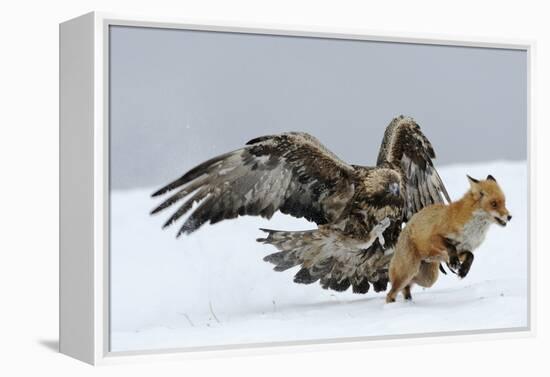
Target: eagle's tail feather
{"points": [[313, 251], [293, 246]]}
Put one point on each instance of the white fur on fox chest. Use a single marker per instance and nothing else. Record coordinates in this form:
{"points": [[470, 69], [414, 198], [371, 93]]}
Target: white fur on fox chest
{"points": [[473, 233]]}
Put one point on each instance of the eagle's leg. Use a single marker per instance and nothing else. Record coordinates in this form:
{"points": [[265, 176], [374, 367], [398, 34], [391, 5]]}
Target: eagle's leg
{"points": [[375, 233], [379, 229]]}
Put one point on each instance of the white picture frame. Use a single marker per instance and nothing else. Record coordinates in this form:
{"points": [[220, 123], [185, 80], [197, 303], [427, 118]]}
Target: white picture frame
{"points": [[84, 187]]}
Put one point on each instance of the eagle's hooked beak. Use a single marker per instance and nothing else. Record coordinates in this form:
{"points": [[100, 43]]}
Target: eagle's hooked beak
{"points": [[394, 188]]}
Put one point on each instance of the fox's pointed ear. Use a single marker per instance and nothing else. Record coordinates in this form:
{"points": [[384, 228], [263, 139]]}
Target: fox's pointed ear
{"points": [[474, 186], [491, 178], [472, 180]]}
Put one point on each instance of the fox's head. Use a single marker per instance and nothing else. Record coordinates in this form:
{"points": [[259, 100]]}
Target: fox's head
{"points": [[490, 198]]}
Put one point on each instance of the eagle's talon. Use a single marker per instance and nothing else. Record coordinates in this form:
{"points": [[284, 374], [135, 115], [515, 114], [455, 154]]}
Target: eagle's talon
{"points": [[379, 230], [381, 240]]}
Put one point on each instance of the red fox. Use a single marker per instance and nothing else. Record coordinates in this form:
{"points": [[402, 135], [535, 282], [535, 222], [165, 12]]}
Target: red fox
{"points": [[445, 233]]}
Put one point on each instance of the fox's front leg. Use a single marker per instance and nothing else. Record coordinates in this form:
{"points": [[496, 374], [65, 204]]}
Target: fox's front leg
{"points": [[467, 258], [454, 260], [438, 251]]}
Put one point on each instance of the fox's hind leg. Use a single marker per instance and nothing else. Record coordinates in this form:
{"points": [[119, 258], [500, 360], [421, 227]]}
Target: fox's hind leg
{"points": [[407, 292], [404, 265], [427, 274], [402, 271], [400, 283]]}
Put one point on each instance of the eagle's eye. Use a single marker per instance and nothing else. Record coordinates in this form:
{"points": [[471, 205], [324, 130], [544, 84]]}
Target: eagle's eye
{"points": [[394, 188]]}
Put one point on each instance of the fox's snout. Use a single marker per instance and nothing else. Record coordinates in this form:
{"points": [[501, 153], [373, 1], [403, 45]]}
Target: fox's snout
{"points": [[503, 219], [504, 213]]}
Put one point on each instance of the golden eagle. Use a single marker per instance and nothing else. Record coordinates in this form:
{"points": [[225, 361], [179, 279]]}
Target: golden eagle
{"points": [[359, 210]]}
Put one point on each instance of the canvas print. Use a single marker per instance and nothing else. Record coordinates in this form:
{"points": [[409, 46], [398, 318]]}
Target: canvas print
{"points": [[271, 189]]}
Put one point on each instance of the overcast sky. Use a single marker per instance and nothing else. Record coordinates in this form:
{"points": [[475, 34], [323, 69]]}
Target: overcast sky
{"points": [[181, 97]]}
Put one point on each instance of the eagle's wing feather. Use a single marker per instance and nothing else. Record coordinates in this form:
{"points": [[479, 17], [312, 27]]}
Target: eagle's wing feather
{"points": [[291, 172], [405, 146]]}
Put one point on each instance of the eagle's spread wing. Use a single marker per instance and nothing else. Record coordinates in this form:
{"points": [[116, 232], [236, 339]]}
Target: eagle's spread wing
{"points": [[405, 147], [291, 172]]}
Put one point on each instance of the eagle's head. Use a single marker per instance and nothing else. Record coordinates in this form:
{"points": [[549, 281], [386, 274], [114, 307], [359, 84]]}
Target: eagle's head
{"points": [[384, 186]]}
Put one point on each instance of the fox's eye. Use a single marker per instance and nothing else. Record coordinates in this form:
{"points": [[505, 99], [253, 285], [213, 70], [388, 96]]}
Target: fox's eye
{"points": [[494, 204]]}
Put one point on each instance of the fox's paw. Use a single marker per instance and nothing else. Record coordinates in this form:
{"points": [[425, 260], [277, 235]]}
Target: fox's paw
{"points": [[454, 263], [463, 271]]}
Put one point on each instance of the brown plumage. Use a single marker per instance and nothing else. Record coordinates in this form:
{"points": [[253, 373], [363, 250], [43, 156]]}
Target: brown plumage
{"points": [[358, 210]]}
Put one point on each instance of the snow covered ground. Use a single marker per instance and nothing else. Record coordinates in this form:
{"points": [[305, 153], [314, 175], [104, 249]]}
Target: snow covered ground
{"points": [[212, 288]]}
